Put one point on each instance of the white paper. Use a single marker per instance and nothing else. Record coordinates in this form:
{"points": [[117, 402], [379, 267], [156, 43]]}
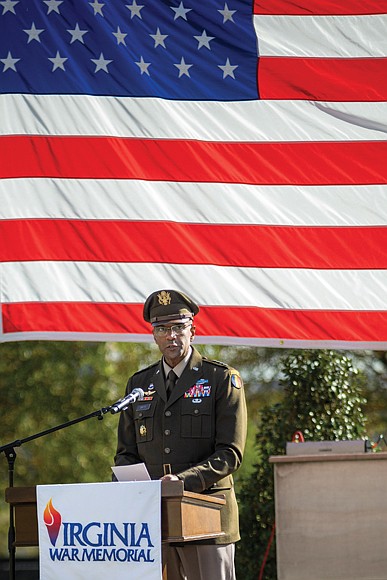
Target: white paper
{"points": [[136, 472]]}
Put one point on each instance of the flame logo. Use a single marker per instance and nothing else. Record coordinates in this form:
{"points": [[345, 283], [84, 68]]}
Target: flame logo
{"points": [[53, 520]]}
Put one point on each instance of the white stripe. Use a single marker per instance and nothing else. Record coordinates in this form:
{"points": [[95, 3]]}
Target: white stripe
{"points": [[213, 285], [199, 339], [359, 36], [193, 203], [151, 118]]}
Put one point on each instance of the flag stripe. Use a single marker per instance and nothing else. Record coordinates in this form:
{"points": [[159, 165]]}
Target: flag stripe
{"points": [[264, 287], [279, 326], [170, 201], [259, 163], [169, 242], [322, 36], [252, 121], [333, 7], [255, 181], [320, 79]]}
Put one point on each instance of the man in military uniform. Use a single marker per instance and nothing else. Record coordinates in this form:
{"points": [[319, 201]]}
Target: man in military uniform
{"points": [[191, 425]]}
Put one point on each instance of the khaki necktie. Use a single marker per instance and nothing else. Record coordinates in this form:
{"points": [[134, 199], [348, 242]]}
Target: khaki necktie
{"points": [[170, 382]]}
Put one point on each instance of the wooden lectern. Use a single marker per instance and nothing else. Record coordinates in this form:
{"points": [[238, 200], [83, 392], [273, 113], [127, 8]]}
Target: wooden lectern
{"points": [[185, 516]]}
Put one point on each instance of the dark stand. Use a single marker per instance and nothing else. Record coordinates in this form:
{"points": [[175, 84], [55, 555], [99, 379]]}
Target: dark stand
{"points": [[9, 451]]}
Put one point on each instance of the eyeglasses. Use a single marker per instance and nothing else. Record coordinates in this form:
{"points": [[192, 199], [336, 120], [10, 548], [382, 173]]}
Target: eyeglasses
{"points": [[175, 329]]}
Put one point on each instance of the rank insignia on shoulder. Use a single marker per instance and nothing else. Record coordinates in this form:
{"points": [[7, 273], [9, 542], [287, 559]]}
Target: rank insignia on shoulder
{"points": [[142, 430], [236, 380]]}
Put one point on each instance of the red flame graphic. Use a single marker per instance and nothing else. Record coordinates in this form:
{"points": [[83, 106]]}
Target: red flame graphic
{"points": [[53, 520]]}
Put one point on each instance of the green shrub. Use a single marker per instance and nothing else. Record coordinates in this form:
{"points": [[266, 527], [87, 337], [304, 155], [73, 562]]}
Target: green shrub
{"points": [[322, 399]]}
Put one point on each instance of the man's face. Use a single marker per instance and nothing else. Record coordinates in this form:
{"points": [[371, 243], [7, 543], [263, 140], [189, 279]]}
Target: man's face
{"points": [[174, 339]]}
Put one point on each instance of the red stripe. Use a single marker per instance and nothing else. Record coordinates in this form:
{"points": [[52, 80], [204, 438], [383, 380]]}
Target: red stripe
{"points": [[322, 79], [73, 317], [212, 321], [328, 163], [293, 324], [167, 242], [320, 7]]}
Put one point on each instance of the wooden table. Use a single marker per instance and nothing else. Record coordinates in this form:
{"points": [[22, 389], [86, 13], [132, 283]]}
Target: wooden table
{"points": [[331, 516]]}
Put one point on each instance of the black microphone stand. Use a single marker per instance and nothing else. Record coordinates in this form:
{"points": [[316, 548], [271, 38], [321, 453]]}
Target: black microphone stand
{"points": [[9, 451]]}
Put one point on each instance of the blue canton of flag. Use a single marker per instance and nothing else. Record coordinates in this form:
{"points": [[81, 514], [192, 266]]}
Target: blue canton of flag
{"points": [[144, 48]]}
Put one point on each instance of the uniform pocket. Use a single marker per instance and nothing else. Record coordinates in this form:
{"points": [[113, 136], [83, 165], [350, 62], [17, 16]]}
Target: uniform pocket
{"points": [[143, 420], [196, 418]]}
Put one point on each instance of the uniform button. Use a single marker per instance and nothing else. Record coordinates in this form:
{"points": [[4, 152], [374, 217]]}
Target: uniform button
{"points": [[196, 411], [167, 450], [167, 432], [168, 413], [140, 414]]}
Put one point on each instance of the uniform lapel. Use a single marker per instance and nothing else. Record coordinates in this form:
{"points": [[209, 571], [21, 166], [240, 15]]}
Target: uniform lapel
{"points": [[191, 374], [158, 381]]}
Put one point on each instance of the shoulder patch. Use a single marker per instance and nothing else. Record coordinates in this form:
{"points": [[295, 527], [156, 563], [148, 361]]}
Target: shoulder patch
{"points": [[236, 379]]}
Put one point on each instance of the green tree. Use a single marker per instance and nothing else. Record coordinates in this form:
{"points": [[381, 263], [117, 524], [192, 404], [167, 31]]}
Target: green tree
{"points": [[323, 399], [44, 384]]}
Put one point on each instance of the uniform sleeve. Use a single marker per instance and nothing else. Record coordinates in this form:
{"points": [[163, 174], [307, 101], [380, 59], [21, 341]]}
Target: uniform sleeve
{"points": [[230, 438], [126, 446]]}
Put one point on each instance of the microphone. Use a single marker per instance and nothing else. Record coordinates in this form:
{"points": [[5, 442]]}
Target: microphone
{"points": [[124, 403]]}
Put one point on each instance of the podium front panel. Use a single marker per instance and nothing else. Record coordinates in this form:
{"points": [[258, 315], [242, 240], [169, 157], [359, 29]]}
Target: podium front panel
{"points": [[185, 516]]}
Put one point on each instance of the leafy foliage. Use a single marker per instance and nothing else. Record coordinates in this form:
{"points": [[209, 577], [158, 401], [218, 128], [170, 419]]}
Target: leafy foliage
{"points": [[323, 399], [45, 384]]}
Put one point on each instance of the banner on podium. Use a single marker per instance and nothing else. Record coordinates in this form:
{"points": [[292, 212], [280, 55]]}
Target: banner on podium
{"points": [[100, 530]]}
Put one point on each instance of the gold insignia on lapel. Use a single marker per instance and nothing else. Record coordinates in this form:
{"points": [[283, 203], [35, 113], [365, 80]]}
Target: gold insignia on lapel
{"points": [[164, 298], [142, 430]]}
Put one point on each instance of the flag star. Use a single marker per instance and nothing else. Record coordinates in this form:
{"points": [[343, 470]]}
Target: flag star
{"points": [[143, 66], [97, 7], [159, 38], [53, 5], [204, 40], [101, 63], [9, 6], [77, 34], [58, 61], [183, 68], [227, 13], [9, 62], [180, 11], [228, 69], [135, 9], [33, 33], [120, 36]]}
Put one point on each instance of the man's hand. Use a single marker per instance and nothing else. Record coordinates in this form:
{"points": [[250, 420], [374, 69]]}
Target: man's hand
{"points": [[169, 477]]}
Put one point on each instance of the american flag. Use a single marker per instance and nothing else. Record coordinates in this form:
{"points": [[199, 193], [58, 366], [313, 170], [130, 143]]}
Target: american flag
{"points": [[232, 150]]}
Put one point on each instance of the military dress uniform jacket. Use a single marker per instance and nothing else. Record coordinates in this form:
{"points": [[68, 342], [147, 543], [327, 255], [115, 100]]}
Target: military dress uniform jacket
{"points": [[199, 431]]}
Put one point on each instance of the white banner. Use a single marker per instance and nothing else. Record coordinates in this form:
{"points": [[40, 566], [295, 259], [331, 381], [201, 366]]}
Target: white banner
{"points": [[100, 530]]}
